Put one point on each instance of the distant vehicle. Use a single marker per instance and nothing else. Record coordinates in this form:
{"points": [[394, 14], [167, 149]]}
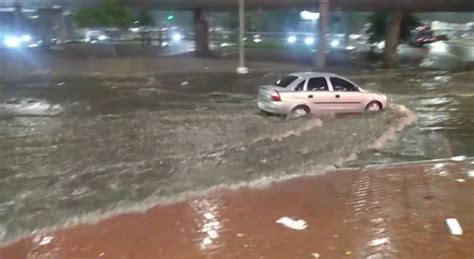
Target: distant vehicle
{"points": [[421, 36], [16, 40], [96, 35], [299, 94]]}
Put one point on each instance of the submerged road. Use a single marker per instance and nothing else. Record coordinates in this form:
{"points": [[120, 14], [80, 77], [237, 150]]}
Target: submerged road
{"points": [[76, 146], [394, 211]]}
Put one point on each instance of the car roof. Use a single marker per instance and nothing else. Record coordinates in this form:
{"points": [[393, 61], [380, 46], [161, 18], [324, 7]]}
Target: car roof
{"points": [[306, 75]]}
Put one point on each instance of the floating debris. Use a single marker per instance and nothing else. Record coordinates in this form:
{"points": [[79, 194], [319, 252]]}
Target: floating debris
{"points": [[291, 223], [454, 226], [460, 180]]}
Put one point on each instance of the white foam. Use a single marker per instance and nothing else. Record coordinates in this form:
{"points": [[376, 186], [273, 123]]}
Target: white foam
{"points": [[394, 127], [458, 158]]}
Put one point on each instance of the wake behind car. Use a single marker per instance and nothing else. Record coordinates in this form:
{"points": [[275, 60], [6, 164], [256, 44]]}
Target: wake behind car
{"points": [[299, 94]]}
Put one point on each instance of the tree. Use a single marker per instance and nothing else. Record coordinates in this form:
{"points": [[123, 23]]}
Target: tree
{"points": [[110, 14], [145, 19], [377, 28]]}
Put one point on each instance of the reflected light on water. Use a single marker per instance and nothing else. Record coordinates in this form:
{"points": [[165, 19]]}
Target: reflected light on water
{"points": [[209, 223]]}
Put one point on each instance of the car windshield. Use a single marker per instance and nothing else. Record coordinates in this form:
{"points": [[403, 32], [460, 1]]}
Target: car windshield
{"points": [[285, 81]]}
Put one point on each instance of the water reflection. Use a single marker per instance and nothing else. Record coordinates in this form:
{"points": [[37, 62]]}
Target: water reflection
{"points": [[209, 224]]}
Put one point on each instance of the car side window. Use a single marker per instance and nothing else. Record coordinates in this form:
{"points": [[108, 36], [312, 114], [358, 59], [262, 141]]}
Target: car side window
{"points": [[300, 86], [339, 84], [318, 84]]}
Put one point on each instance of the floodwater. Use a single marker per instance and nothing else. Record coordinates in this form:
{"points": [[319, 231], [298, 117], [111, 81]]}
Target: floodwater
{"points": [[444, 104], [79, 147]]}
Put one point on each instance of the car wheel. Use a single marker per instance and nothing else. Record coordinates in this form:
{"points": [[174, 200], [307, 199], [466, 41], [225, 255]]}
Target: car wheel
{"points": [[299, 111], [374, 107]]}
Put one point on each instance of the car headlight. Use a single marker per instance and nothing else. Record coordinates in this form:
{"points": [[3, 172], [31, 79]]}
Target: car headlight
{"points": [[309, 40], [291, 39], [335, 43], [12, 42], [177, 37], [102, 37]]}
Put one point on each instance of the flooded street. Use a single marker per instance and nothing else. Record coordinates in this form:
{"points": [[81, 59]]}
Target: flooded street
{"points": [[77, 148], [444, 105]]}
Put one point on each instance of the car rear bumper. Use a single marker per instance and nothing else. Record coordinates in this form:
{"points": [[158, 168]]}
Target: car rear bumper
{"points": [[274, 107]]}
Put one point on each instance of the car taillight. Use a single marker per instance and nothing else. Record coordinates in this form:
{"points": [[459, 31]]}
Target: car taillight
{"points": [[275, 96]]}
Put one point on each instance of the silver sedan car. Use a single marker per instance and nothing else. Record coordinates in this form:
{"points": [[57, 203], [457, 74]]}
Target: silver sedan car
{"points": [[302, 93]]}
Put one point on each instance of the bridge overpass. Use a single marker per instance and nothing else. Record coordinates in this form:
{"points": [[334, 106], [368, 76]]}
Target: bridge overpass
{"points": [[397, 8], [355, 5]]}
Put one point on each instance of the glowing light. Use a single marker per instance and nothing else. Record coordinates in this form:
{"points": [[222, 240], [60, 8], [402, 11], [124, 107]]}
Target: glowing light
{"points": [[311, 16], [381, 45], [102, 37], [292, 39], [335, 43], [309, 40], [177, 37], [350, 47], [26, 38], [257, 40], [439, 47], [12, 42]]}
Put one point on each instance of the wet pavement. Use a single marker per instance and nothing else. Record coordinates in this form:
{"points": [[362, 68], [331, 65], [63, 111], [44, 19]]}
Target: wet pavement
{"points": [[76, 149], [391, 211]]}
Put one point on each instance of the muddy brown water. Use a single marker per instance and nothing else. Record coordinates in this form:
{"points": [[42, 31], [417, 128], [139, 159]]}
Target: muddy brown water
{"points": [[77, 146]]}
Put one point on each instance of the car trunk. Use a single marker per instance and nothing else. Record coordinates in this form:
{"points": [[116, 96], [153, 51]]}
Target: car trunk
{"points": [[265, 91]]}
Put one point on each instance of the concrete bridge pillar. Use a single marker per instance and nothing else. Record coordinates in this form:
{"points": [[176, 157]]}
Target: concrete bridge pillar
{"points": [[64, 32], [201, 33], [347, 27], [54, 17], [322, 32], [392, 37], [18, 18]]}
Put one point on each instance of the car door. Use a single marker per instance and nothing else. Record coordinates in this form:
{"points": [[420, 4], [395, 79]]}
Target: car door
{"points": [[318, 95], [295, 93], [347, 96]]}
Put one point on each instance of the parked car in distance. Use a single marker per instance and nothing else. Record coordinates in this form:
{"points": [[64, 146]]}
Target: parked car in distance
{"points": [[299, 94]]}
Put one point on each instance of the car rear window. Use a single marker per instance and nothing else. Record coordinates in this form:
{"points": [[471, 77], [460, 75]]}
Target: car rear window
{"points": [[285, 81]]}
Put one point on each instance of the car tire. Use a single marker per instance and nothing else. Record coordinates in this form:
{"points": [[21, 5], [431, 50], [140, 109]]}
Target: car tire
{"points": [[299, 111], [374, 106]]}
